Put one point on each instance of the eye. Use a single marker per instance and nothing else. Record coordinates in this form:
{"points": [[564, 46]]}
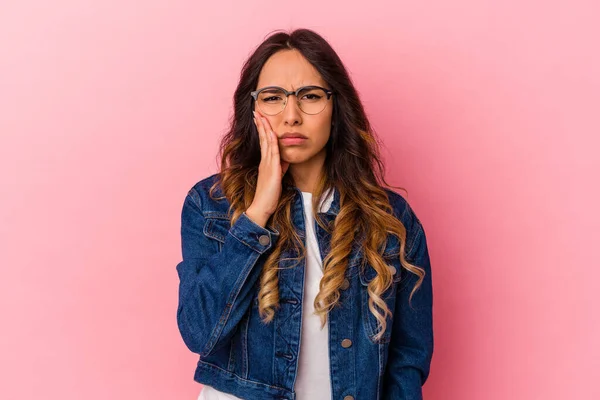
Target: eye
{"points": [[272, 98], [311, 96]]}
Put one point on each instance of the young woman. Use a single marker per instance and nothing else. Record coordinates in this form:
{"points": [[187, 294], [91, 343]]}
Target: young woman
{"points": [[303, 277]]}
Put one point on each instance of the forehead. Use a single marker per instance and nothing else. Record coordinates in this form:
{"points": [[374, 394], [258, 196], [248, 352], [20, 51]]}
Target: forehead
{"points": [[290, 70]]}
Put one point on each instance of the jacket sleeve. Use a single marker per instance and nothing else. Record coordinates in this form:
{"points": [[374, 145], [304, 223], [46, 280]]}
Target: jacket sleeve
{"points": [[411, 345], [215, 287]]}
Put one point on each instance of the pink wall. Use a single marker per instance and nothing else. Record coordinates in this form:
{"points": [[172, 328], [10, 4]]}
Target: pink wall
{"points": [[111, 110]]}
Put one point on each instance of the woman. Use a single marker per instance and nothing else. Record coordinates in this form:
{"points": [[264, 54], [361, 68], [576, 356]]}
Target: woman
{"points": [[302, 276]]}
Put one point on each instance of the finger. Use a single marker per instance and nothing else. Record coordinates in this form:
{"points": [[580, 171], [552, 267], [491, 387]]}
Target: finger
{"points": [[268, 142], [273, 140], [261, 136], [260, 139], [267, 124], [275, 147]]}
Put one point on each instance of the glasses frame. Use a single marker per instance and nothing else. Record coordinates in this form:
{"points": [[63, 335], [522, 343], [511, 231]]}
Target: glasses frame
{"points": [[255, 94]]}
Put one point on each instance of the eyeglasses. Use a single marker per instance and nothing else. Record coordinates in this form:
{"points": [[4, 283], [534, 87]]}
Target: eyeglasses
{"points": [[271, 100]]}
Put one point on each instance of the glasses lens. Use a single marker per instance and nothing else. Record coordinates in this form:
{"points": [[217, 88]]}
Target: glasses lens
{"points": [[271, 101], [312, 100]]}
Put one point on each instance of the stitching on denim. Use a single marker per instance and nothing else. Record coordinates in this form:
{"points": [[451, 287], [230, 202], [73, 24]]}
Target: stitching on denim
{"points": [[225, 316], [216, 334], [273, 232], [195, 197], [216, 214], [208, 231], [282, 323], [417, 236], [242, 240], [417, 226], [245, 346], [247, 244], [364, 300], [211, 222], [229, 306], [210, 365]]}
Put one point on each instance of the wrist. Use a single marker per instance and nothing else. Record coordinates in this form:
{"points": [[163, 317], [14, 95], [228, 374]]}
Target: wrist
{"points": [[258, 217]]}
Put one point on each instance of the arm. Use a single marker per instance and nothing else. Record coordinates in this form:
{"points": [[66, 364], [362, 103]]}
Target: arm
{"points": [[215, 287], [411, 345]]}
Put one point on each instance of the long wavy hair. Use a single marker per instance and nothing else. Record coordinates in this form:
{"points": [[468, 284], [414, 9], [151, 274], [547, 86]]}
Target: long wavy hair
{"points": [[354, 168]]}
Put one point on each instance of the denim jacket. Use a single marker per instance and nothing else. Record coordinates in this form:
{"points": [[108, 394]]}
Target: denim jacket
{"points": [[218, 317]]}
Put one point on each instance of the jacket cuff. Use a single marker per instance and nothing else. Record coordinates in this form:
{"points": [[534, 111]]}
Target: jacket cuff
{"points": [[253, 235]]}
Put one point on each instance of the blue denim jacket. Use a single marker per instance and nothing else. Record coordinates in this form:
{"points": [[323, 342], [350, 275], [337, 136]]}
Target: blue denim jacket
{"points": [[218, 316]]}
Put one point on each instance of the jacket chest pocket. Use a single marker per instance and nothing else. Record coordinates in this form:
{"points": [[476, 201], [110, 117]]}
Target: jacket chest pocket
{"points": [[368, 273], [216, 227]]}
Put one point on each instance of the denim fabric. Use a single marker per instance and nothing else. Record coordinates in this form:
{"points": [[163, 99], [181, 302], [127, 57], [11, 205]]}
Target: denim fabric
{"points": [[218, 317]]}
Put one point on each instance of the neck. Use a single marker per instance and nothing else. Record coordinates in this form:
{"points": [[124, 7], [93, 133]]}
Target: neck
{"points": [[307, 174]]}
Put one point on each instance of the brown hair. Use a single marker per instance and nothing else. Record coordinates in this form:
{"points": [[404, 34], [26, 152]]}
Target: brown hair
{"points": [[352, 165]]}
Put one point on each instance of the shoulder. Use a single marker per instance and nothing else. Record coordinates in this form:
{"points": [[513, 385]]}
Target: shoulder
{"points": [[405, 212], [200, 194], [204, 184], [402, 208]]}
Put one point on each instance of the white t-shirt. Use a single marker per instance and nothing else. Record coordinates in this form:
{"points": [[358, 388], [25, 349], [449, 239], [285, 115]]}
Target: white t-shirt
{"points": [[313, 379]]}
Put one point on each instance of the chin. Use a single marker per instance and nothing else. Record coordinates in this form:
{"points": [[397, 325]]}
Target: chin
{"points": [[299, 155], [294, 156]]}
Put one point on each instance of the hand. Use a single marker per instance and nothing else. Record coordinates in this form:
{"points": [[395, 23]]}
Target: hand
{"points": [[270, 173]]}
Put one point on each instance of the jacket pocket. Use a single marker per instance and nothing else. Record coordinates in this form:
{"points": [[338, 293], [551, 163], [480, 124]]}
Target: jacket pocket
{"points": [[216, 228], [366, 275]]}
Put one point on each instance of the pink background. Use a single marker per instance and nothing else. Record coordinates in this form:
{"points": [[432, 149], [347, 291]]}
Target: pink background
{"points": [[111, 110]]}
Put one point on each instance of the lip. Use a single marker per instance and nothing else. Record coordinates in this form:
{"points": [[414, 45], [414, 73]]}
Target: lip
{"points": [[292, 138], [287, 141], [293, 135]]}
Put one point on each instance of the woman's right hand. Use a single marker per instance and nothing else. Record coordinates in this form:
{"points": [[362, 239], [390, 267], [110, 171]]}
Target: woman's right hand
{"points": [[270, 173]]}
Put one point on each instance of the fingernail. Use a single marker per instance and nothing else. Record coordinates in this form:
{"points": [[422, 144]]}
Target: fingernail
{"points": [[254, 112]]}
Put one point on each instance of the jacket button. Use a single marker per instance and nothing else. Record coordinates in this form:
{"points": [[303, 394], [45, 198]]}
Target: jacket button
{"points": [[348, 397], [346, 343], [392, 269], [264, 240], [345, 284]]}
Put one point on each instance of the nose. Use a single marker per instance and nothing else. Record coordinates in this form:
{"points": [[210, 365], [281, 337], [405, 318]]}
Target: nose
{"points": [[292, 114]]}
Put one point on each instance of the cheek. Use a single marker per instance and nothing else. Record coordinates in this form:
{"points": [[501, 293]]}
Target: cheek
{"points": [[325, 129], [323, 124]]}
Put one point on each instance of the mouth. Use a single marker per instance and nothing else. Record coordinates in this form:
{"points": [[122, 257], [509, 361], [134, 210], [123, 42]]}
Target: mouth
{"points": [[292, 140]]}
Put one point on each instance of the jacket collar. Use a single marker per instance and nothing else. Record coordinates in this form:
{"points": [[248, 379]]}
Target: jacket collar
{"points": [[330, 205]]}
